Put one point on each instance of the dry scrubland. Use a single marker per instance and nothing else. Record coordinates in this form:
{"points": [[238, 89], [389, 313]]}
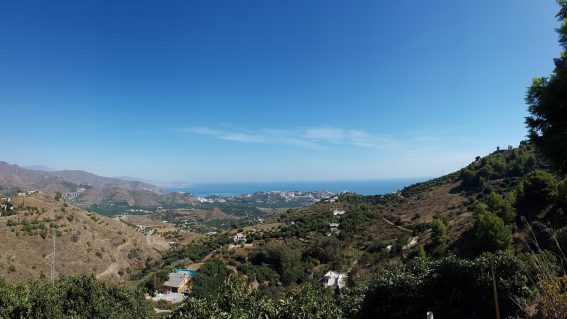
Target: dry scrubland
{"points": [[86, 243]]}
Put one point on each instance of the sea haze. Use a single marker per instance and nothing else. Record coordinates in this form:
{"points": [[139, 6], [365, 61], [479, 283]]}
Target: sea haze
{"points": [[366, 187]]}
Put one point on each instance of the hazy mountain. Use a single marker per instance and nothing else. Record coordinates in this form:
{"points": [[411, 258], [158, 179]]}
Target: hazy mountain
{"points": [[88, 188], [40, 168], [16, 176]]}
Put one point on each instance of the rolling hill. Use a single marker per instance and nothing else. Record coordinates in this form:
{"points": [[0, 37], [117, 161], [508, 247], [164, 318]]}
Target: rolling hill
{"points": [[86, 243]]}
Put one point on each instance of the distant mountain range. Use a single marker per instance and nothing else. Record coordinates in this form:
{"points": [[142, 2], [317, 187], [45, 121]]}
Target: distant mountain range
{"points": [[87, 188], [40, 168]]}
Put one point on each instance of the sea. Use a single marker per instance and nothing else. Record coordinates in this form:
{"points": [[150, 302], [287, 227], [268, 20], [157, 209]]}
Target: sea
{"points": [[365, 187]]}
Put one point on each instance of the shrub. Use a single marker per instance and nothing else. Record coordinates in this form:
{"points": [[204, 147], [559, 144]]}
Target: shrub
{"points": [[552, 303], [503, 207], [439, 232], [490, 233], [236, 299], [209, 278], [537, 189]]}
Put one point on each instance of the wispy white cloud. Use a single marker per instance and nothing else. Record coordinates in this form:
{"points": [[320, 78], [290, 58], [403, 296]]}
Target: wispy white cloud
{"points": [[311, 137]]}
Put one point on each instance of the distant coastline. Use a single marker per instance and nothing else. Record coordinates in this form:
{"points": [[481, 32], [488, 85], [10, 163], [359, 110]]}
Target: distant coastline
{"points": [[364, 187]]}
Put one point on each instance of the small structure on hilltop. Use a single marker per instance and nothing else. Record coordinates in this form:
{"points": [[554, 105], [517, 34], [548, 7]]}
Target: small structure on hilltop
{"points": [[239, 238], [333, 279], [178, 282]]}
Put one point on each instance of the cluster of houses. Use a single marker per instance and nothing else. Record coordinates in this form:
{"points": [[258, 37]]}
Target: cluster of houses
{"points": [[331, 200], [334, 279], [334, 226], [30, 192]]}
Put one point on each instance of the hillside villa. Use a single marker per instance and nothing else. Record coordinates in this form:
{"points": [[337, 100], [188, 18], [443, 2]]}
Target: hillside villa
{"points": [[178, 282]]}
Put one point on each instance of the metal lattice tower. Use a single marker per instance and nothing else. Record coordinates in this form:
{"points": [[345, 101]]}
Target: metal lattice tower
{"points": [[53, 234]]}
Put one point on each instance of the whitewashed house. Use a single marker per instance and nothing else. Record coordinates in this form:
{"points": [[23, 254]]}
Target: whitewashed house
{"points": [[333, 279]]}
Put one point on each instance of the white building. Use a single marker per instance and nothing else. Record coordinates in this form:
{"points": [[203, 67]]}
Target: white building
{"points": [[333, 279], [338, 212]]}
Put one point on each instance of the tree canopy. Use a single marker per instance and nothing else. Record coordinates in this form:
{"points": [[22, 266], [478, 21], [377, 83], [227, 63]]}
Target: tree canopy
{"points": [[209, 278], [547, 104]]}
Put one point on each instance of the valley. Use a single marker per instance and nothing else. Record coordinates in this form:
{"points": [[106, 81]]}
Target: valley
{"points": [[325, 160]]}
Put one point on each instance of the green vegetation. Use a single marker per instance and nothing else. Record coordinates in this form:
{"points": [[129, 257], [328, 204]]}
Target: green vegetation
{"points": [[450, 287], [70, 297], [499, 171], [490, 233], [537, 189], [382, 242], [286, 262], [503, 207], [439, 232], [209, 278], [546, 100], [235, 299]]}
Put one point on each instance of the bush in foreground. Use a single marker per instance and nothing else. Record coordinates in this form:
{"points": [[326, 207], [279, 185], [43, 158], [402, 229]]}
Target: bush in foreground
{"points": [[71, 297]]}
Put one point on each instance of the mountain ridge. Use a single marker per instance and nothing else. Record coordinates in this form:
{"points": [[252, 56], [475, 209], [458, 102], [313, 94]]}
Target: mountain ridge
{"points": [[87, 188]]}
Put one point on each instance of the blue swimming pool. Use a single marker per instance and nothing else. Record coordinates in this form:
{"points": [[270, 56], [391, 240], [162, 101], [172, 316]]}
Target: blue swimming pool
{"points": [[190, 272]]}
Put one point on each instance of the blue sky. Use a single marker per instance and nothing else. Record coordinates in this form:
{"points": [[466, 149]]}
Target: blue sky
{"points": [[218, 91]]}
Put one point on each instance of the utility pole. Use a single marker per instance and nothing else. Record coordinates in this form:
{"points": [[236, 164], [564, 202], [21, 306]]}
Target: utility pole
{"points": [[53, 235]]}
